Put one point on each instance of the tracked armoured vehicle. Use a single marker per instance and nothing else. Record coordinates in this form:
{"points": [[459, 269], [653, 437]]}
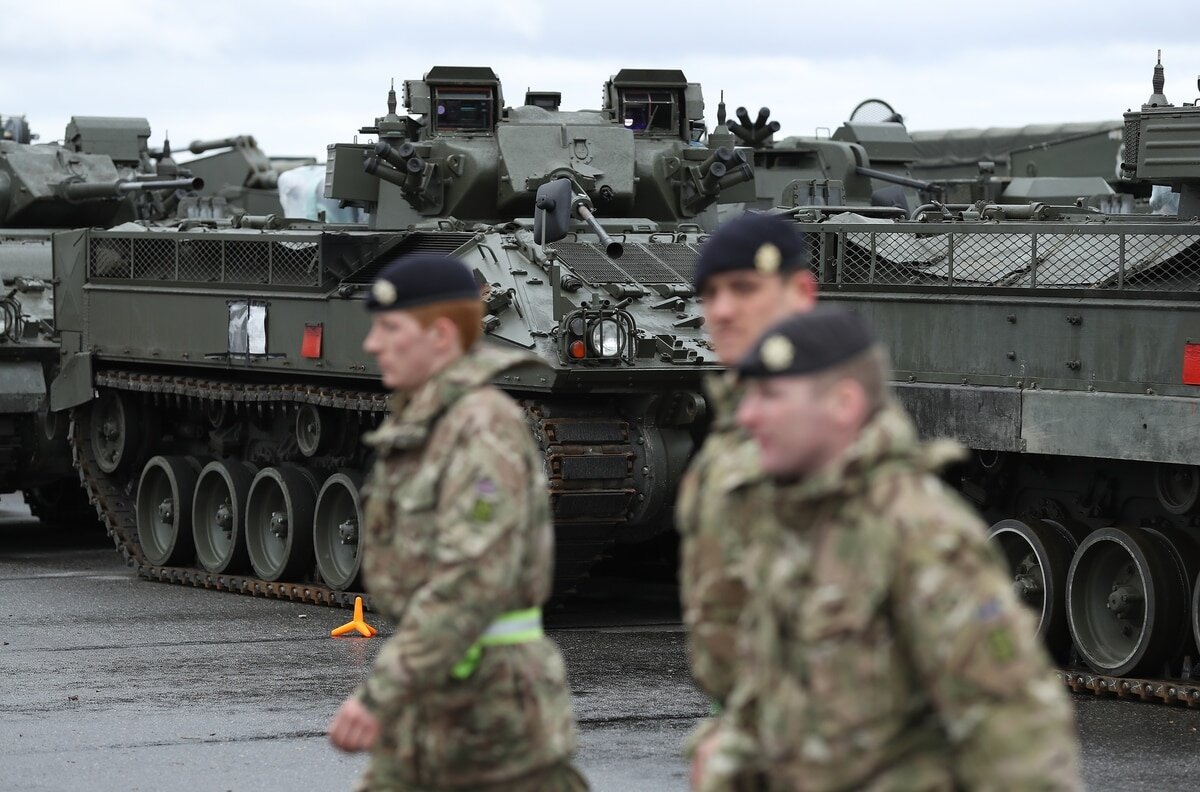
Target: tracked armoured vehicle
{"points": [[864, 163], [101, 176], [1062, 346], [215, 376]]}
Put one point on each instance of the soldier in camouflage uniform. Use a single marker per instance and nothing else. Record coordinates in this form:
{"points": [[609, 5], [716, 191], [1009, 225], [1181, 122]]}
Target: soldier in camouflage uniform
{"points": [[882, 647], [751, 272], [458, 552]]}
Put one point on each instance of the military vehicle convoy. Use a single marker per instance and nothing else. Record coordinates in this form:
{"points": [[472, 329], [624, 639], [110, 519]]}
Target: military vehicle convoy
{"points": [[215, 376], [100, 176], [1062, 345]]}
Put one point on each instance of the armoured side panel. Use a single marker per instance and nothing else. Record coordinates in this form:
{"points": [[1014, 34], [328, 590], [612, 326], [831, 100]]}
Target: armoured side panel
{"points": [[1058, 342], [984, 418], [1111, 426]]}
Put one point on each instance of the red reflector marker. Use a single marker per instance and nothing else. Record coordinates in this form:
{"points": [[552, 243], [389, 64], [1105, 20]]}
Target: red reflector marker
{"points": [[577, 350], [1191, 363], [310, 347]]}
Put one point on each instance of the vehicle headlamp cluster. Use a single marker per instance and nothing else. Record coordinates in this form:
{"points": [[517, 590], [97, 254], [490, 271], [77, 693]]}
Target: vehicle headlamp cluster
{"points": [[597, 335]]}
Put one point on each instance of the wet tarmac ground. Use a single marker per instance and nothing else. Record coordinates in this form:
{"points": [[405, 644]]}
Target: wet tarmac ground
{"points": [[108, 682]]}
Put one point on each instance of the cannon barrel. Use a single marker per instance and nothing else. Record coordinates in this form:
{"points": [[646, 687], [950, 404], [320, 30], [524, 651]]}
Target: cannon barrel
{"points": [[94, 191], [612, 248], [892, 178], [201, 146]]}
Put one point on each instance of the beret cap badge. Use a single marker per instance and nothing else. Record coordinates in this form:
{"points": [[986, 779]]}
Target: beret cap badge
{"points": [[767, 259], [777, 353], [384, 292]]}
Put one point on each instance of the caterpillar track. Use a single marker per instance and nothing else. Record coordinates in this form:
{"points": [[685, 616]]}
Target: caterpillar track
{"points": [[1181, 692], [575, 449]]}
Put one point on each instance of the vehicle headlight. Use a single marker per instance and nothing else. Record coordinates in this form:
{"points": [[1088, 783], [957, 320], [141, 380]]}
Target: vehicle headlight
{"points": [[608, 338], [3, 323]]}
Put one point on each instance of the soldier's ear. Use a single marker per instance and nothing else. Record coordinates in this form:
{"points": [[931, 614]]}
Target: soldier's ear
{"points": [[446, 334], [801, 287], [848, 403]]}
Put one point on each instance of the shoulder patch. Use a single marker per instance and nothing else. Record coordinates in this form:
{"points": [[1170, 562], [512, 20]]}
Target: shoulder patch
{"points": [[485, 497], [481, 511]]}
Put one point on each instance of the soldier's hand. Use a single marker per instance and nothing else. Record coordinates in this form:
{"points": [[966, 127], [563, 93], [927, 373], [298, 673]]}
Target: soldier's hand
{"points": [[353, 727]]}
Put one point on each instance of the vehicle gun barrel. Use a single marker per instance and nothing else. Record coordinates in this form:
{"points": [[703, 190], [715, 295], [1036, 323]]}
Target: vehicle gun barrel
{"points": [[612, 248], [893, 178], [201, 146], [94, 191]]}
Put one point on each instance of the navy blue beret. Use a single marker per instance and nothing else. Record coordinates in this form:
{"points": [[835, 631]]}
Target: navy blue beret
{"points": [[753, 241], [807, 343], [421, 279]]}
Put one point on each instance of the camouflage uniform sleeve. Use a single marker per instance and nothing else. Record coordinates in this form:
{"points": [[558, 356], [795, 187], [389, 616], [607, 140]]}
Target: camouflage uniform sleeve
{"points": [[711, 588], [975, 650], [687, 508], [482, 509]]}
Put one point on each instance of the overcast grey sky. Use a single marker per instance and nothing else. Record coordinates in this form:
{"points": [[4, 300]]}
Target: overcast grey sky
{"points": [[301, 74]]}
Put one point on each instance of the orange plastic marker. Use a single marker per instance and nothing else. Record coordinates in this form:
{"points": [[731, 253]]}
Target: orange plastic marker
{"points": [[356, 624]]}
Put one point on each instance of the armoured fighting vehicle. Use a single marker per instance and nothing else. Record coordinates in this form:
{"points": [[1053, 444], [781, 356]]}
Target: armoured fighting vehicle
{"points": [[873, 160], [864, 163], [1062, 346], [216, 378], [239, 175], [100, 176]]}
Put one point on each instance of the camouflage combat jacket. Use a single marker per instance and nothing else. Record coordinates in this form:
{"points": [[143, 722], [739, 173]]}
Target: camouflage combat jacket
{"points": [[883, 647], [458, 532], [721, 494]]}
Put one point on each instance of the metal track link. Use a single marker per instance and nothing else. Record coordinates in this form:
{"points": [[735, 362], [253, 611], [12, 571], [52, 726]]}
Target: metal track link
{"points": [[1159, 691]]}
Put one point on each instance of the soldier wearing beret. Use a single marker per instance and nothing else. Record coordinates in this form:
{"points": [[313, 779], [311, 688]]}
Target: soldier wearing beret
{"points": [[458, 551], [753, 271], [882, 647]]}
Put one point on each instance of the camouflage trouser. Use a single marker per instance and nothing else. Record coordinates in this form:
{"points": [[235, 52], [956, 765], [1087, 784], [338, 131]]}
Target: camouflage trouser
{"points": [[560, 777]]}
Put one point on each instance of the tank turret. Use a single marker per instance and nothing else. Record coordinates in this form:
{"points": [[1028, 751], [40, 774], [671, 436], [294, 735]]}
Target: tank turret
{"points": [[461, 153], [101, 175], [237, 170], [49, 186], [1162, 145]]}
